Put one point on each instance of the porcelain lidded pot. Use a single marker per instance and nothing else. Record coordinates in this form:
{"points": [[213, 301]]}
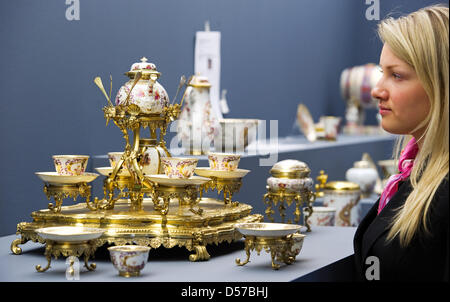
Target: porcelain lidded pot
{"points": [[197, 123], [148, 94], [290, 175], [344, 196], [364, 175]]}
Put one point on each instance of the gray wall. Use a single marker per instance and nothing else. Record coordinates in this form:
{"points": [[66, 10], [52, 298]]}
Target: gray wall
{"points": [[275, 54]]}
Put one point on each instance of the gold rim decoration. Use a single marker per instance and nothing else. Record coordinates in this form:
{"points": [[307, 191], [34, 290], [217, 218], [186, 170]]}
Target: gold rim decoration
{"points": [[208, 172], [341, 186], [56, 179]]}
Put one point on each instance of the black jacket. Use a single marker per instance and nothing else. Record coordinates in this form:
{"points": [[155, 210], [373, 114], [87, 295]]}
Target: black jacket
{"points": [[425, 259]]}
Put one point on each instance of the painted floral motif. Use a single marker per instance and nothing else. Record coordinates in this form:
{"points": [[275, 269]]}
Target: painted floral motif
{"points": [[149, 99], [179, 168], [290, 185], [223, 162], [348, 208], [322, 218], [197, 123], [129, 261], [70, 166]]}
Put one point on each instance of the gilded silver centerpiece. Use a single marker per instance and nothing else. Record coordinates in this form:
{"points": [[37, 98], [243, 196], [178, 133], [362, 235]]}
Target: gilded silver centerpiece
{"points": [[138, 208]]}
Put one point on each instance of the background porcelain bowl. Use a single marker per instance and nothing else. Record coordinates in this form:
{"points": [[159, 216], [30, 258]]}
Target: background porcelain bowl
{"points": [[235, 135]]}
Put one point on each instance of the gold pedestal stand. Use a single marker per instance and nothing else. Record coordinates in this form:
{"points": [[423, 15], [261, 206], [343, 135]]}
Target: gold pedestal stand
{"points": [[280, 248], [284, 199], [229, 186], [186, 196], [179, 227], [68, 249], [60, 192]]}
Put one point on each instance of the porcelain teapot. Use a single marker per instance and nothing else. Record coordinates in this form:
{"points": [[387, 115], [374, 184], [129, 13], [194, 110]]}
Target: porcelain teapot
{"points": [[148, 94]]}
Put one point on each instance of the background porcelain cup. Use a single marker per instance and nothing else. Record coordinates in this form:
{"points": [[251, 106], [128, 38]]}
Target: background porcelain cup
{"points": [[179, 167], [70, 165], [321, 216], [330, 126], [223, 161]]}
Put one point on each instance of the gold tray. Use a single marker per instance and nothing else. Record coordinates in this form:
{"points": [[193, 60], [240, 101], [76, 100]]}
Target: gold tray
{"points": [[180, 227]]}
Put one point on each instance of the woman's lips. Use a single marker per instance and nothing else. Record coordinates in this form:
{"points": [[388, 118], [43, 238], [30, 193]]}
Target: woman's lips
{"points": [[384, 110]]}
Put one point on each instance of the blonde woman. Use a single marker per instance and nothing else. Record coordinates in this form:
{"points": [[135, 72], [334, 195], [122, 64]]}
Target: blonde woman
{"points": [[405, 236]]}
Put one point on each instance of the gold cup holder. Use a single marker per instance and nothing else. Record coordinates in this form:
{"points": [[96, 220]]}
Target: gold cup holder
{"points": [[282, 249], [70, 249]]}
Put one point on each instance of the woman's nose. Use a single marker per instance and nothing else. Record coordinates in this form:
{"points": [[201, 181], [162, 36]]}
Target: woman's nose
{"points": [[379, 93]]}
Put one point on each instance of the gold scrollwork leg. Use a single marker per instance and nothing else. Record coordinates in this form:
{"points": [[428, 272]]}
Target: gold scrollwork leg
{"points": [[14, 245], [309, 206], [91, 266], [200, 249], [269, 210], [273, 254], [56, 208], [200, 253], [247, 260], [282, 210], [48, 256]]}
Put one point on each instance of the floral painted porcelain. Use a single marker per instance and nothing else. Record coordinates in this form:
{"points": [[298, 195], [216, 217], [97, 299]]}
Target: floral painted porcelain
{"points": [[223, 161], [129, 260], [148, 94], [179, 167], [290, 175], [344, 196], [70, 164], [321, 216], [197, 124]]}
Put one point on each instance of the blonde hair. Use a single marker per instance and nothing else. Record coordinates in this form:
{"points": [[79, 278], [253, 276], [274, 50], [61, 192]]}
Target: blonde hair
{"points": [[421, 40]]}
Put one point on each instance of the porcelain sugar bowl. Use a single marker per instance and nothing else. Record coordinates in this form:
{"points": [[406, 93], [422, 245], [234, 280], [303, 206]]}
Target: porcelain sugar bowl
{"points": [[364, 175], [148, 94], [290, 175], [344, 196]]}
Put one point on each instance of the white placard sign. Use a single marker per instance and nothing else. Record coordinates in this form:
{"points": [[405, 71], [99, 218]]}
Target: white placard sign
{"points": [[207, 63]]}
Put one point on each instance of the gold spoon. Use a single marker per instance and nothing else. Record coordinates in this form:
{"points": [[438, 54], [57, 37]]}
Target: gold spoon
{"points": [[182, 99], [136, 79], [182, 82], [99, 83]]}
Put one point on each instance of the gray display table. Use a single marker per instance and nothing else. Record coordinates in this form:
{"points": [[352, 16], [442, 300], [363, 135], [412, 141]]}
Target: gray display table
{"points": [[322, 248]]}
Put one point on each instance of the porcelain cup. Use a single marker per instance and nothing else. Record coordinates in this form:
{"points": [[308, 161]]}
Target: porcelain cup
{"points": [[129, 260], [179, 167], [321, 216], [223, 161], [70, 165], [330, 126]]}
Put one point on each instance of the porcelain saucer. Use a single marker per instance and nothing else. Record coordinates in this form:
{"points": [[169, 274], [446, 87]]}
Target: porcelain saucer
{"points": [[55, 178], [70, 233], [105, 171], [164, 180], [267, 229], [207, 172]]}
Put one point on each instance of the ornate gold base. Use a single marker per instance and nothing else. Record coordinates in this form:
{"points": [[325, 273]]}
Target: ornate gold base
{"points": [[180, 227], [283, 249], [70, 249]]}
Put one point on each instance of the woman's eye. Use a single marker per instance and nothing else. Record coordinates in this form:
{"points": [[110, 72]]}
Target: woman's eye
{"points": [[396, 75]]}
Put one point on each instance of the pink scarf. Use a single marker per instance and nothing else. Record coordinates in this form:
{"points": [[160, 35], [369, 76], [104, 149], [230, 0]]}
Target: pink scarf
{"points": [[405, 165]]}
